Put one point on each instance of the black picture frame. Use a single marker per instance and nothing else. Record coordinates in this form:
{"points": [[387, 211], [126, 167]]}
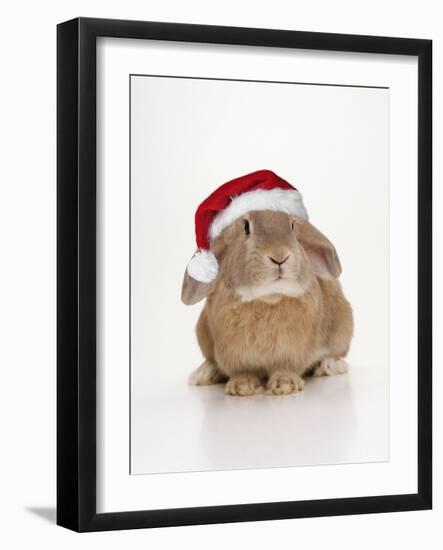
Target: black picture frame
{"points": [[76, 273]]}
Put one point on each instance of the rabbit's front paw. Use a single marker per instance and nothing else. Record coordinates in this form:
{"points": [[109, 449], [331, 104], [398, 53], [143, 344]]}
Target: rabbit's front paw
{"points": [[243, 385], [330, 366], [284, 383]]}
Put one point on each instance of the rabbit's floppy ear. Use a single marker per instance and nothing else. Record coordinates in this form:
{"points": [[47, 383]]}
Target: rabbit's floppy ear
{"points": [[202, 271], [193, 291], [320, 251]]}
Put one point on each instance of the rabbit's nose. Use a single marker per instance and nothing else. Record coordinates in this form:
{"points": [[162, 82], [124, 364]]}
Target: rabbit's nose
{"points": [[278, 262]]}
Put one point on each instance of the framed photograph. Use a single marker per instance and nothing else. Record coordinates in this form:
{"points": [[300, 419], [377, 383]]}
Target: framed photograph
{"points": [[244, 274]]}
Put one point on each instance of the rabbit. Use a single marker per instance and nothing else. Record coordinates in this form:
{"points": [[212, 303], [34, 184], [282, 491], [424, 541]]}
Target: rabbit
{"points": [[275, 312]]}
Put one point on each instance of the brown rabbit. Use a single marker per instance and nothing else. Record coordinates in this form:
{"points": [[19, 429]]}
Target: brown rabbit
{"points": [[274, 309]]}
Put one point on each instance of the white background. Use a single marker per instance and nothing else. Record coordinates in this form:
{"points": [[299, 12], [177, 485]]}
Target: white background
{"points": [[27, 221], [332, 143]]}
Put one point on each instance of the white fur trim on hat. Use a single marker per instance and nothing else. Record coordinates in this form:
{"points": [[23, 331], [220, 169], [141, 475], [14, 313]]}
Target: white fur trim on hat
{"points": [[279, 200], [203, 266]]}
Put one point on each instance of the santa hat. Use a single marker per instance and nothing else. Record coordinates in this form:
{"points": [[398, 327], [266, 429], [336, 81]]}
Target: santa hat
{"points": [[261, 190]]}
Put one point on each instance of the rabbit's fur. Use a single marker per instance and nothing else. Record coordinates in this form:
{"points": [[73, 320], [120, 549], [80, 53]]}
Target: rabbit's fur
{"points": [[276, 310]]}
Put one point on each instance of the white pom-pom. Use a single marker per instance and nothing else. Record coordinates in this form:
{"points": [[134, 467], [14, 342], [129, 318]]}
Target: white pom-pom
{"points": [[203, 266]]}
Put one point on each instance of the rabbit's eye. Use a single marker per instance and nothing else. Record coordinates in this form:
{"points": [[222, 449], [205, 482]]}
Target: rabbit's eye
{"points": [[247, 228], [292, 226]]}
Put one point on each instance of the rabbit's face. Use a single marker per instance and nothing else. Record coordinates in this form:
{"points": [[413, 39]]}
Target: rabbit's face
{"points": [[266, 254], [263, 256]]}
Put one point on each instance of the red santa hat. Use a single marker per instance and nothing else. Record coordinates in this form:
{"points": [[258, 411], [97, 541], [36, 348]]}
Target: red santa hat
{"points": [[261, 190]]}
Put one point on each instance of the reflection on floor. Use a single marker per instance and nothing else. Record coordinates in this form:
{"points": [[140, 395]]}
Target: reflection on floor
{"points": [[337, 419]]}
